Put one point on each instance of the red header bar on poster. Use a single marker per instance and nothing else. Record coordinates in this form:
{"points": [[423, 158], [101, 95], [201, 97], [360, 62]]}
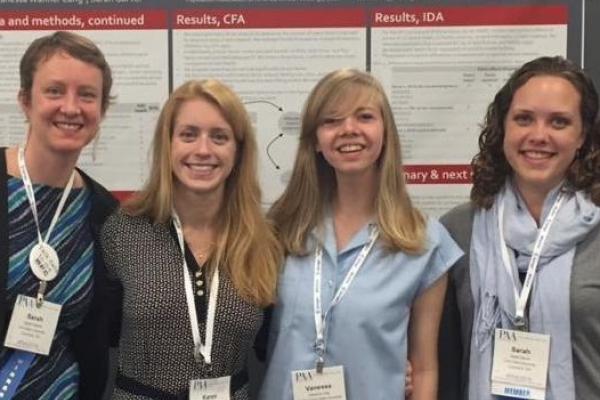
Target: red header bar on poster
{"points": [[83, 20], [438, 174], [269, 18], [461, 16]]}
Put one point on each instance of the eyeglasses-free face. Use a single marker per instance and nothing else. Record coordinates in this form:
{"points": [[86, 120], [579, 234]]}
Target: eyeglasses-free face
{"points": [[64, 106], [543, 130]]}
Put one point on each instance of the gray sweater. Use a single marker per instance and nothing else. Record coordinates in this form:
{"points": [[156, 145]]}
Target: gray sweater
{"points": [[457, 320]]}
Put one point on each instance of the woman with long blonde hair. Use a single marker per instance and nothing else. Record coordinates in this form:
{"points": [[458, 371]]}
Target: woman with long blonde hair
{"points": [[196, 258], [364, 278]]}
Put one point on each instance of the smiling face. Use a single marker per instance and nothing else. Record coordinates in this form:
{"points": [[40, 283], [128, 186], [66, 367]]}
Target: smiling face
{"points": [[351, 137], [543, 130], [64, 107], [203, 148]]}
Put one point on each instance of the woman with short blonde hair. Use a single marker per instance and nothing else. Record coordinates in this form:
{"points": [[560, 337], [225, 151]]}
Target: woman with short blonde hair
{"points": [[51, 214]]}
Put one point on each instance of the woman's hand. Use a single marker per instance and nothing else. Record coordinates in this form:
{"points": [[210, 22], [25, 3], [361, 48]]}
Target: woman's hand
{"points": [[408, 384]]}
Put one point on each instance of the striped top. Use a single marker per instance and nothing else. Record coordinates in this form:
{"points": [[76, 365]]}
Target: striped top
{"points": [[54, 376]]}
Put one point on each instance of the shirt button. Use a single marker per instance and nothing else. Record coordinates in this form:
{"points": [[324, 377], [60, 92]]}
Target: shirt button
{"points": [[330, 283]]}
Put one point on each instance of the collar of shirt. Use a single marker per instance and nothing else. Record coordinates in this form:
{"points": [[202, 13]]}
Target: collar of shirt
{"points": [[324, 234]]}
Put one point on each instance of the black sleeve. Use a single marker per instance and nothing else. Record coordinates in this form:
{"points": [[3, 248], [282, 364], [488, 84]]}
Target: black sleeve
{"points": [[450, 348], [262, 338], [114, 293]]}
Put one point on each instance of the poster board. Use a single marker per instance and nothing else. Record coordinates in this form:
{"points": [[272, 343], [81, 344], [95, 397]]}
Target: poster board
{"points": [[439, 61]]}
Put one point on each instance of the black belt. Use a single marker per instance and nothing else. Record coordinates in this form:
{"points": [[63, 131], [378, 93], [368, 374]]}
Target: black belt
{"points": [[132, 386]]}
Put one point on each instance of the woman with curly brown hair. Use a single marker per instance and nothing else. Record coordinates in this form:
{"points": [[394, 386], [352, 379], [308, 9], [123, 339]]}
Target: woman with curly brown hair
{"points": [[520, 317]]}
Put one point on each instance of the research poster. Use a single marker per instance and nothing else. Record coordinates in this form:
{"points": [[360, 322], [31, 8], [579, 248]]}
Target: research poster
{"points": [[440, 63], [441, 67], [271, 58]]}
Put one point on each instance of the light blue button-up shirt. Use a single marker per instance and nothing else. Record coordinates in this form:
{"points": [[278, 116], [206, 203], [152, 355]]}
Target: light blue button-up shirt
{"points": [[367, 331]]}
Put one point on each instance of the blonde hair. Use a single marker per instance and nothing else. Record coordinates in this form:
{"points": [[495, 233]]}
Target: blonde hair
{"points": [[246, 246], [300, 208]]}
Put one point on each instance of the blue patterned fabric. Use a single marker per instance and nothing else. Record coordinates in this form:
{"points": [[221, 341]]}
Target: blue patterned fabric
{"points": [[54, 376]]}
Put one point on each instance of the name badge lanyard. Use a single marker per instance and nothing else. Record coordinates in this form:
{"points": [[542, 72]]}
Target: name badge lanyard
{"points": [[202, 351], [320, 318], [521, 299], [43, 259]]}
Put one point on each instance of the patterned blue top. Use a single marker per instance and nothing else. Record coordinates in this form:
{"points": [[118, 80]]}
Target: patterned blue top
{"points": [[54, 376]]}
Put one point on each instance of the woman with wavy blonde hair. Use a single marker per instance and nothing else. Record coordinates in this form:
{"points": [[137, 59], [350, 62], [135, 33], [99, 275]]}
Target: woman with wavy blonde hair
{"points": [[192, 249], [348, 226]]}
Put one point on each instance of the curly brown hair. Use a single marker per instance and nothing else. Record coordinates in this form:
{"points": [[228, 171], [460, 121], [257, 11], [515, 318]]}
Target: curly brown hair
{"points": [[490, 167]]}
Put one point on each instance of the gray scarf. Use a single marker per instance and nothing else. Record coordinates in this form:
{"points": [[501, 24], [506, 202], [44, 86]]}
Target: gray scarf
{"points": [[493, 290]]}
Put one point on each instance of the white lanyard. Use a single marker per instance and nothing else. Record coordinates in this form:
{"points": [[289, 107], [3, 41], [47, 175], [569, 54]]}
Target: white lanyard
{"points": [[43, 258], [31, 196], [521, 300], [201, 351], [320, 318]]}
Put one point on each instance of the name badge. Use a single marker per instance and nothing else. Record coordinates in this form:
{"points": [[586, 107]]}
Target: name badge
{"points": [[210, 389], [520, 364], [44, 262], [32, 328], [328, 385]]}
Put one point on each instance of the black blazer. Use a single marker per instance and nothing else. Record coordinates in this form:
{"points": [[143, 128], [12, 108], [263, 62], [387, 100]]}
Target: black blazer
{"points": [[90, 341]]}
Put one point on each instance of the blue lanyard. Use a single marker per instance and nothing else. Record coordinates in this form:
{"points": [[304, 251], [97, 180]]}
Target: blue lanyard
{"points": [[13, 372]]}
